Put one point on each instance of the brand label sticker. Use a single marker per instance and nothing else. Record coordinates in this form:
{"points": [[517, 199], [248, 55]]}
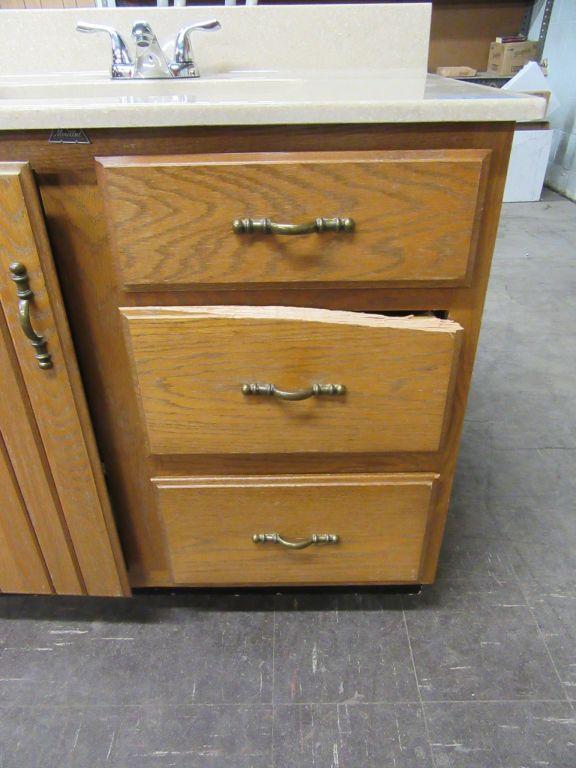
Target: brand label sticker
{"points": [[68, 136]]}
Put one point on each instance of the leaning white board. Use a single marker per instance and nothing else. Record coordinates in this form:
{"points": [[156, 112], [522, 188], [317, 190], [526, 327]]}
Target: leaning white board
{"points": [[527, 167]]}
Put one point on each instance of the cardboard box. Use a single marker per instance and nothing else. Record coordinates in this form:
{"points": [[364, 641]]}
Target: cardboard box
{"points": [[456, 71], [509, 58]]}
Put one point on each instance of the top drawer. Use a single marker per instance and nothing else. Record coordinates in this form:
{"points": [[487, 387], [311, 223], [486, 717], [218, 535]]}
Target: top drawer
{"points": [[416, 217]]}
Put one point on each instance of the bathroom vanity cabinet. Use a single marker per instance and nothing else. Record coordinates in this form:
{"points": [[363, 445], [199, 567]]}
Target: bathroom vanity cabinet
{"points": [[253, 386]]}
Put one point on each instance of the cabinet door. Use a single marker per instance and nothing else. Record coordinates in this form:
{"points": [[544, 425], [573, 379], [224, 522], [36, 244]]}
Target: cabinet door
{"points": [[27, 457], [33, 307]]}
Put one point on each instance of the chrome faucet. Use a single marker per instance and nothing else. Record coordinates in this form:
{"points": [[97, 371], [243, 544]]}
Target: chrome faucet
{"points": [[149, 61], [122, 65], [183, 64]]}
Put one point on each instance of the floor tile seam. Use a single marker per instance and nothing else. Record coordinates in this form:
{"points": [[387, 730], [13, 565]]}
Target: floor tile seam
{"points": [[355, 703], [273, 692], [541, 634], [422, 709]]}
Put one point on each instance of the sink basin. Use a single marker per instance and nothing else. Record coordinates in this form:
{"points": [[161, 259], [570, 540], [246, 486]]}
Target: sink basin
{"points": [[232, 88], [266, 64], [249, 98]]}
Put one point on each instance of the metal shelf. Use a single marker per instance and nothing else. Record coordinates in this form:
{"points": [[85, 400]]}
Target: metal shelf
{"points": [[486, 78]]}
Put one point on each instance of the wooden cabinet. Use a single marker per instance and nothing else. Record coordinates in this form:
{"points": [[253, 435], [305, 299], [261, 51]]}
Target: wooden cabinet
{"points": [[244, 383], [58, 530]]}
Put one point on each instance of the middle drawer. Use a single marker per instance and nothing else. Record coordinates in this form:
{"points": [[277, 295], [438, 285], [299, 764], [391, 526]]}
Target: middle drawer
{"points": [[259, 380]]}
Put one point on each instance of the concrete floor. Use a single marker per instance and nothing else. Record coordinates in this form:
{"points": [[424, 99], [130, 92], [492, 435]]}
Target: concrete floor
{"points": [[478, 671]]}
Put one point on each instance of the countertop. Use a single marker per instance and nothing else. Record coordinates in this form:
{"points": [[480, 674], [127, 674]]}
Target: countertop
{"points": [[267, 65], [255, 99]]}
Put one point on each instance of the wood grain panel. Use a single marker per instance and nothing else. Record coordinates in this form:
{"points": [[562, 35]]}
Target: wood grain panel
{"points": [[56, 395], [191, 362], [21, 565], [381, 521], [416, 215], [27, 456]]}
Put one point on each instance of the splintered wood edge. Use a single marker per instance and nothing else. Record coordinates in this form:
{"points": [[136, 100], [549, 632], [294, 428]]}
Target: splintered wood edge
{"points": [[322, 480], [310, 315]]}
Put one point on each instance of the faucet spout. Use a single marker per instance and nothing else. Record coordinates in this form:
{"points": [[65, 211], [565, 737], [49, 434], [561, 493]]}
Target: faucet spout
{"points": [[150, 60]]}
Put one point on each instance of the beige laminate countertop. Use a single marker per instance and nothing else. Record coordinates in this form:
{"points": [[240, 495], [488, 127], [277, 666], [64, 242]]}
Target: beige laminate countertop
{"points": [[266, 65], [254, 99]]}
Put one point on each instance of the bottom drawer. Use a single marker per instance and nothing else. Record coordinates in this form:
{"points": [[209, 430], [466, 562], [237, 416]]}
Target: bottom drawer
{"points": [[378, 526]]}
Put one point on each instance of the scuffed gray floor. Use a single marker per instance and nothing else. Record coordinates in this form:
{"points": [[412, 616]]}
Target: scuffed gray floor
{"points": [[478, 671]]}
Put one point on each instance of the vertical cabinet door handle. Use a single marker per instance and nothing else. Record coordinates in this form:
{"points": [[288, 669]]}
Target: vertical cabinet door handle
{"points": [[19, 274]]}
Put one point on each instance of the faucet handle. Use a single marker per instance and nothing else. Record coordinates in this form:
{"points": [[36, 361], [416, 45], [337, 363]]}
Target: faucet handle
{"points": [[183, 64], [121, 61]]}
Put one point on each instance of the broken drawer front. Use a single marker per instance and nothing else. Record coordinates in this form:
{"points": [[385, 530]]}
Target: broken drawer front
{"points": [[317, 529], [261, 380], [399, 217]]}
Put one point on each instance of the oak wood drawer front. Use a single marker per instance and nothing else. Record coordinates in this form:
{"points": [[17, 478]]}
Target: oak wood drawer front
{"points": [[416, 215], [380, 521], [191, 364]]}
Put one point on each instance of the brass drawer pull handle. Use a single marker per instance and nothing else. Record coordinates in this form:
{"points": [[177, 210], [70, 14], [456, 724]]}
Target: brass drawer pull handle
{"points": [[316, 538], [269, 227], [19, 274], [298, 394]]}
